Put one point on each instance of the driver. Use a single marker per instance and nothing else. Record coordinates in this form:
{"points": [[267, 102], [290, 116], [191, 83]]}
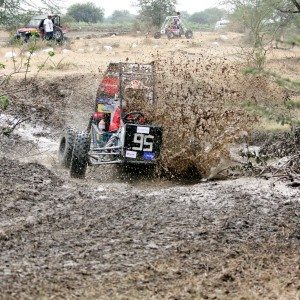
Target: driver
{"points": [[133, 91], [177, 21]]}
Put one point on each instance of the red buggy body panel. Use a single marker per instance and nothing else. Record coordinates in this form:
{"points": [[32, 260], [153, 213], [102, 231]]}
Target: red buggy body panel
{"points": [[116, 79]]}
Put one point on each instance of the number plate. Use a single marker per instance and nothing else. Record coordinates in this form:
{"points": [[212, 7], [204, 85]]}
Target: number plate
{"points": [[145, 141]]}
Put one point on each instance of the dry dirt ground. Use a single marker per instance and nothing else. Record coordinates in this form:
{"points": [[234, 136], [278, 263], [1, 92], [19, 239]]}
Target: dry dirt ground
{"points": [[116, 237]]}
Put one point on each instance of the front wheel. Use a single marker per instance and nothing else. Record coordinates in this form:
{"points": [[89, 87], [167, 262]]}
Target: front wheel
{"points": [[66, 145], [188, 34], [58, 35], [80, 155], [170, 35], [157, 35]]}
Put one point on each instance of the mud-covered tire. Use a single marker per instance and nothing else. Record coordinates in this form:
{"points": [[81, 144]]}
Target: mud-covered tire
{"points": [[188, 34], [80, 155], [157, 35], [65, 149]]}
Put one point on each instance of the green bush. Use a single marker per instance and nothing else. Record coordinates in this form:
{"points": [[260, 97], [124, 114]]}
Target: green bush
{"points": [[4, 102]]}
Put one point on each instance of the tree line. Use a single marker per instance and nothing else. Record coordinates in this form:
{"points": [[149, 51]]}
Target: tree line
{"points": [[153, 12]]}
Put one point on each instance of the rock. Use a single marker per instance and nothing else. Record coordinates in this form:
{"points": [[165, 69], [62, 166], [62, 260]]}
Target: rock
{"points": [[152, 246], [215, 44], [10, 54], [80, 50], [48, 50], [3, 235], [30, 220], [29, 54], [65, 51], [134, 45], [223, 37], [107, 48]]}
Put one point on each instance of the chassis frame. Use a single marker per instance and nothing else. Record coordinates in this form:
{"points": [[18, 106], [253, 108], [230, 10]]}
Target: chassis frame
{"points": [[135, 142]]}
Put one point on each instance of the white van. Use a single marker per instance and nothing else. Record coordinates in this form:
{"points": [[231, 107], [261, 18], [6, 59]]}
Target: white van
{"points": [[221, 24]]}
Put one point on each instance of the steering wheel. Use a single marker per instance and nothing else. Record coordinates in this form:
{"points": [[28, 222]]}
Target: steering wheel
{"points": [[133, 117]]}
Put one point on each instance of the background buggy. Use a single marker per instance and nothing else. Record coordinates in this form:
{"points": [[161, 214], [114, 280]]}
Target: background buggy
{"points": [[173, 27], [36, 27]]}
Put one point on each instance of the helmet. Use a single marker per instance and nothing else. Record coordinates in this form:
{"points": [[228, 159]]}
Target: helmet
{"points": [[97, 116]]}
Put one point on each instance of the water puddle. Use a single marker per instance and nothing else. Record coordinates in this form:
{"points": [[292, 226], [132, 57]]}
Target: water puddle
{"points": [[45, 146]]}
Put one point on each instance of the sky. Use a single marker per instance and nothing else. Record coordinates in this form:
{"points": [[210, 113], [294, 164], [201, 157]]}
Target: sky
{"points": [[109, 6]]}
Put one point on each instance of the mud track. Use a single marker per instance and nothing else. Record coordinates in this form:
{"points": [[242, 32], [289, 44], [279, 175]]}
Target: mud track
{"points": [[65, 239]]}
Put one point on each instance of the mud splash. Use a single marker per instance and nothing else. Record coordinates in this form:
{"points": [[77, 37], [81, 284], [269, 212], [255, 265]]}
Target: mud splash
{"points": [[201, 107]]}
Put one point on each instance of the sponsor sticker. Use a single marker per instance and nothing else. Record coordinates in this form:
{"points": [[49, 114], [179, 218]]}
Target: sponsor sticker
{"points": [[148, 156], [145, 130], [130, 154]]}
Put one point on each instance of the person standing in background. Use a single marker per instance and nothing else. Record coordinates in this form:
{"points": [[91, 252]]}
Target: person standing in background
{"points": [[48, 27], [178, 20]]}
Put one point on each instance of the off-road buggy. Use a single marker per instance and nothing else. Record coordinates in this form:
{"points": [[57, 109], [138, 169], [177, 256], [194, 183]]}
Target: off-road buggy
{"points": [[35, 27], [116, 134], [172, 28]]}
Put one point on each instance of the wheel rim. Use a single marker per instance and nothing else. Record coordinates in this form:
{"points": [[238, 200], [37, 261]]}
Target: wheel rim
{"points": [[189, 34], [57, 35]]}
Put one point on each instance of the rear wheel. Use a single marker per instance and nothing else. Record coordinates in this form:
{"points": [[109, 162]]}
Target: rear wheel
{"points": [[170, 35], [188, 34], [80, 155], [157, 35], [66, 147], [58, 35]]}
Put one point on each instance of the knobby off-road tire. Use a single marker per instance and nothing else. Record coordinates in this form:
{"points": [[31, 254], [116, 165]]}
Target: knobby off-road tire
{"points": [[188, 34], [66, 145], [170, 35], [80, 155], [58, 35], [157, 35]]}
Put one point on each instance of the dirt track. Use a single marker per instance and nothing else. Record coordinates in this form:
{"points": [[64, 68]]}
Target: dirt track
{"points": [[112, 237], [218, 240]]}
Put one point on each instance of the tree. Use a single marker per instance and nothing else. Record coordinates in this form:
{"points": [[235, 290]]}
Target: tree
{"points": [[260, 17], [208, 16], [86, 12], [121, 16], [290, 6], [154, 11], [263, 22], [8, 10], [185, 15], [13, 12]]}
